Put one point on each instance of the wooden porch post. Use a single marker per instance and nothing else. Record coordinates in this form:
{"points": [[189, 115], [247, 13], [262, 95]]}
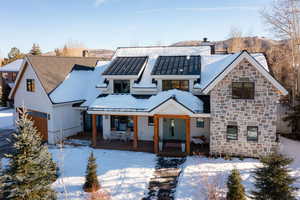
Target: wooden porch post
{"points": [[188, 136], [156, 133], [94, 124], [135, 128]]}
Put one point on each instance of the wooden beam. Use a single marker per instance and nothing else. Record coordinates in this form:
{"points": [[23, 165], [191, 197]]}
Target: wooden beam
{"points": [[188, 136], [156, 134], [174, 116], [94, 125], [135, 129]]}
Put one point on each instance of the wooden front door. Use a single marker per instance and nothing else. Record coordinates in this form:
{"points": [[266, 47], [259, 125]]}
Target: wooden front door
{"points": [[40, 122]]}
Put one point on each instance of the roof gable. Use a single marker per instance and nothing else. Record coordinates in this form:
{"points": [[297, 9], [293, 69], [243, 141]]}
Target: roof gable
{"points": [[52, 70], [234, 63]]}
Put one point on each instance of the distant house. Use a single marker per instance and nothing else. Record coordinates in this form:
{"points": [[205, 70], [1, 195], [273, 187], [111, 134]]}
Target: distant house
{"points": [[8, 74], [159, 99]]}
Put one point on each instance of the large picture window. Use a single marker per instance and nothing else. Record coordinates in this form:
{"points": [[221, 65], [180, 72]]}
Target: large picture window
{"points": [[121, 123], [121, 86], [243, 90], [175, 84], [252, 133], [30, 85], [232, 132]]}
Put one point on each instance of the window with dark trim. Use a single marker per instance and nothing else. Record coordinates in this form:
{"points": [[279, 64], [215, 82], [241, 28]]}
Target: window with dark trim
{"points": [[232, 132], [175, 84], [121, 86], [200, 123], [252, 133], [243, 90], [14, 76], [30, 85], [121, 123], [150, 121]]}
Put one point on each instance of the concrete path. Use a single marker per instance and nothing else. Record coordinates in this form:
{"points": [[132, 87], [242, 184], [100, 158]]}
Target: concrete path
{"points": [[163, 184]]}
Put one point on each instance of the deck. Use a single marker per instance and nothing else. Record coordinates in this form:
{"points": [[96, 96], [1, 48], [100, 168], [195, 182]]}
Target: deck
{"points": [[143, 146]]}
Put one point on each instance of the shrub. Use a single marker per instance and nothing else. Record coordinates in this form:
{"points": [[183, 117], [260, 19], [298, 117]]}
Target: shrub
{"points": [[91, 181], [236, 190]]}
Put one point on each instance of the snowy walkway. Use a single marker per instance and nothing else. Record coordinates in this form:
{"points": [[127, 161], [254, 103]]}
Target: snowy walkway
{"points": [[163, 184], [6, 119]]}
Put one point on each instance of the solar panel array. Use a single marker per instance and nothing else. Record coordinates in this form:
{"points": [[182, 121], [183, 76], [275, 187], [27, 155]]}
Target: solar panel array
{"points": [[177, 65], [126, 66]]}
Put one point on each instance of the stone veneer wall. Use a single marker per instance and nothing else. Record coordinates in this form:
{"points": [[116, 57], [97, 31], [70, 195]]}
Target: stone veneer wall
{"points": [[261, 112]]}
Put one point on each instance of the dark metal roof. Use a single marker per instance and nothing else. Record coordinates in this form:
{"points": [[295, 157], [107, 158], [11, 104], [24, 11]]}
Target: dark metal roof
{"points": [[126, 66], [177, 65]]}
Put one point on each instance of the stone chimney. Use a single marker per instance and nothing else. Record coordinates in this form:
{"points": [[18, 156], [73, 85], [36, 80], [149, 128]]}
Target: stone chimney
{"points": [[85, 53]]}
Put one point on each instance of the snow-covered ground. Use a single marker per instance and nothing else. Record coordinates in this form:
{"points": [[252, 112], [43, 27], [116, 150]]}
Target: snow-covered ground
{"points": [[198, 171], [6, 119], [124, 175]]}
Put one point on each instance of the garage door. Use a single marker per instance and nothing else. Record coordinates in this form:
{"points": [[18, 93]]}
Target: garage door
{"points": [[40, 121]]}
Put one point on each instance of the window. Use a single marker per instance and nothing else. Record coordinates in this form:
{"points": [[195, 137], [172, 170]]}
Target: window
{"points": [[150, 121], [200, 123], [121, 86], [14, 76], [121, 123], [252, 133], [232, 132], [242, 90], [30, 86], [175, 84]]}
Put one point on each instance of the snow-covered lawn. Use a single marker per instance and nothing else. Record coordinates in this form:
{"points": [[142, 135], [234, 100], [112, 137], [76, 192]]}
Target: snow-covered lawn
{"points": [[197, 170], [6, 119], [125, 175]]}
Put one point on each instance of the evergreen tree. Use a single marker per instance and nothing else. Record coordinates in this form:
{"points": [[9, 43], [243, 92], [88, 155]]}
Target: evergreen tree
{"points": [[35, 50], [91, 181], [31, 169], [272, 180], [236, 190], [1, 181], [13, 55]]}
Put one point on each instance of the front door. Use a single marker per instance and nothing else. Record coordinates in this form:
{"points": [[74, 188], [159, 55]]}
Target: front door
{"points": [[173, 129]]}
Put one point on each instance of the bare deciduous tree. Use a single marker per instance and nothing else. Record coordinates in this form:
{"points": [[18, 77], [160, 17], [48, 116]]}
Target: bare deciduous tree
{"points": [[236, 43], [283, 18]]}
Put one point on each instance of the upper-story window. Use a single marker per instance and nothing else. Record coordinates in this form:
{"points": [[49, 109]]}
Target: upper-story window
{"points": [[121, 86], [175, 84], [243, 90], [30, 85]]}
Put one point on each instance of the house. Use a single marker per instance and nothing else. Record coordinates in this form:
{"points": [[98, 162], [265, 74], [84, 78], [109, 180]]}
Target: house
{"points": [[167, 98], [38, 77], [8, 75]]}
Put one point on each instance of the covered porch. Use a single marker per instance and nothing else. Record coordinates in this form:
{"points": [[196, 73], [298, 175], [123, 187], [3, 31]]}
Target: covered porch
{"points": [[163, 124]]}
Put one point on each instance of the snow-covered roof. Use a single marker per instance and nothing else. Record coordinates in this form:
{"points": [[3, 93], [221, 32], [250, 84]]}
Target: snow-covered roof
{"points": [[12, 67], [213, 65], [127, 102], [79, 85], [162, 51]]}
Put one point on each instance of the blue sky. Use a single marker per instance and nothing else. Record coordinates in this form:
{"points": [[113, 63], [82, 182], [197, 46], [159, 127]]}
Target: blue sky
{"points": [[113, 23]]}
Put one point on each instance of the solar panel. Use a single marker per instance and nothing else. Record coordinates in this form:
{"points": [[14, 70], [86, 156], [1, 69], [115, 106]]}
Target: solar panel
{"points": [[126, 66], [177, 65]]}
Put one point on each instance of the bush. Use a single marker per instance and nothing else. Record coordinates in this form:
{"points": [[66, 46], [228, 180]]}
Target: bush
{"points": [[236, 190], [91, 181]]}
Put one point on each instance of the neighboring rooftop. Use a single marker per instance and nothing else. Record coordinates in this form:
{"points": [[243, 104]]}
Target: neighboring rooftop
{"points": [[12, 67]]}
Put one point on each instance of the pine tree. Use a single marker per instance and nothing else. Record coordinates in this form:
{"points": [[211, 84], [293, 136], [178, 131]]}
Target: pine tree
{"points": [[31, 170], [35, 50], [272, 180], [91, 181], [236, 190]]}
